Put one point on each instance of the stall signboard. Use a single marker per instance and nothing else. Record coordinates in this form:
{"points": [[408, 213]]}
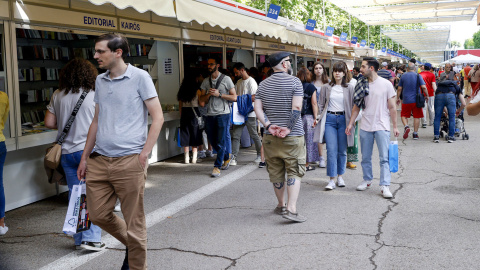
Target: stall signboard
{"points": [[311, 24], [203, 36], [354, 40], [266, 45], [239, 41], [343, 36], [372, 46], [273, 11], [329, 31], [65, 17], [4, 9], [384, 49], [148, 28], [363, 43]]}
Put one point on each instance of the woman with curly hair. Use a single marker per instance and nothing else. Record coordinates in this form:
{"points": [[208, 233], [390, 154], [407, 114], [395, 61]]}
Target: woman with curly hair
{"points": [[190, 133], [78, 76]]}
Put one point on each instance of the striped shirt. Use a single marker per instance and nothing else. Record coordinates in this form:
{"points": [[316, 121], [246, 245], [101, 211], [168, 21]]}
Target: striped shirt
{"points": [[384, 74], [276, 93]]}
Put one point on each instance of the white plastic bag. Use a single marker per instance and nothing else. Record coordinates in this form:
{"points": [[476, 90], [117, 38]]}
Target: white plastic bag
{"points": [[77, 218]]}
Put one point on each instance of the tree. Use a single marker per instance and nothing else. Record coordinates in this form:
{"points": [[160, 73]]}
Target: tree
{"points": [[469, 44], [455, 44], [476, 39]]}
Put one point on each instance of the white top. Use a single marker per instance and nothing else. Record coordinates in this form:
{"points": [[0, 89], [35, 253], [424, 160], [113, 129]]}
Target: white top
{"points": [[376, 115], [335, 103], [353, 82], [248, 86], [192, 103]]}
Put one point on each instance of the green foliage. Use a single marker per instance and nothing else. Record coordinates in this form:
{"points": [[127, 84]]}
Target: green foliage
{"points": [[469, 44], [302, 10], [455, 44], [476, 40]]}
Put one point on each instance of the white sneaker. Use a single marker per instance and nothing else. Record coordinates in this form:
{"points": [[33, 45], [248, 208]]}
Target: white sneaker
{"points": [[340, 182], [331, 185], [364, 185], [208, 153], [386, 192], [3, 230], [258, 159], [322, 164], [233, 162], [117, 208]]}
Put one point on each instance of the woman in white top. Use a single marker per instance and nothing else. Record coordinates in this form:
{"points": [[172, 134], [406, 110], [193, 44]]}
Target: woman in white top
{"points": [[190, 133], [319, 78], [335, 105]]}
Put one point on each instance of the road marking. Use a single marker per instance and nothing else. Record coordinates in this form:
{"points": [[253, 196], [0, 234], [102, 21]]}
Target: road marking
{"points": [[77, 259]]}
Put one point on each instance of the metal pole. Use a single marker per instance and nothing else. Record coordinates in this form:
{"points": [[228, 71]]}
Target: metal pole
{"points": [[324, 16], [350, 30], [368, 27], [266, 6]]}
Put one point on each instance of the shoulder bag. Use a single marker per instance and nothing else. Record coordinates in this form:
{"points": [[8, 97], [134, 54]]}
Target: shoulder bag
{"points": [[53, 154], [201, 123], [420, 98]]}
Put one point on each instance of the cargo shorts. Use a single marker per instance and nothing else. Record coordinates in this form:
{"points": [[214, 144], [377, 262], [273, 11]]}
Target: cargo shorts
{"points": [[285, 156]]}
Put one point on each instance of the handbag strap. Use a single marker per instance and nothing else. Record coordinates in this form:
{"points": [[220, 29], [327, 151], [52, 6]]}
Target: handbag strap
{"points": [[194, 112], [72, 118]]}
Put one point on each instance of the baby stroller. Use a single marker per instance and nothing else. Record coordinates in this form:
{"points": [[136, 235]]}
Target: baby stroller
{"points": [[459, 125]]}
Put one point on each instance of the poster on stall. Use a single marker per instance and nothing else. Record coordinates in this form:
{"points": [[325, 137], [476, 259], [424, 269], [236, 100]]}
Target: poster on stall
{"points": [[167, 66]]}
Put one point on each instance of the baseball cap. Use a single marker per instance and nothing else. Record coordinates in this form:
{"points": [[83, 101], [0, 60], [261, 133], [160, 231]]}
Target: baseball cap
{"points": [[275, 58], [384, 64], [427, 65]]}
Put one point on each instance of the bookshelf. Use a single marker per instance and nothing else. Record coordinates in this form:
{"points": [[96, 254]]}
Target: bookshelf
{"points": [[42, 54]]}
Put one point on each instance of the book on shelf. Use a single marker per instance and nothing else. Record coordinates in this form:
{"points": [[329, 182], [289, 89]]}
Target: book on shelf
{"points": [[38, 74]]}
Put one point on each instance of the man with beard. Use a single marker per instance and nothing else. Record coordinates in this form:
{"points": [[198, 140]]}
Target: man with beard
{"points": [[217, 91], [280, 96]]}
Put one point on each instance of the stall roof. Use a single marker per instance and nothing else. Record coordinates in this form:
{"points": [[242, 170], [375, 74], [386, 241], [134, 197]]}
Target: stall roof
{"points": [[163, 8], [386, 12], [428, 43]]}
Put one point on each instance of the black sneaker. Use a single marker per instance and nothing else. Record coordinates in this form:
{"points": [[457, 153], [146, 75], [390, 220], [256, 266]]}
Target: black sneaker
{"points": [[415, 136], [262, 164], [93, 246], [436, 139], [125, 265], [424, 125], [450, 139]]}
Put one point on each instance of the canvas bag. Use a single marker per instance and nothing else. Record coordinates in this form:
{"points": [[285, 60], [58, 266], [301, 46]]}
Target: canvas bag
{"points": [[53, 153], [77, 218]]}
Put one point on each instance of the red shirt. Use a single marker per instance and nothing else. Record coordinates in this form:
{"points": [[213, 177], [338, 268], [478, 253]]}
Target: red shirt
{"points": [[428, 77], [466, 70]]}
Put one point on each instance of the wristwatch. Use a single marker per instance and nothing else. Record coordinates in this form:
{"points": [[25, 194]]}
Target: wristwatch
{"points": [[219, 95]]}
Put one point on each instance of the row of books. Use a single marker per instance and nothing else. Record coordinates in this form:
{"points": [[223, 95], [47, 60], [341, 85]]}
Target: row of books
{"points": [[29, 33], [40, 52], [33, 117], [140, 49], [39, 95], [38, 74]]}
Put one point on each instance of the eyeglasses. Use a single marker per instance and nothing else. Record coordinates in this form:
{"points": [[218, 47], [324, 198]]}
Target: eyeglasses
{"points": [[101, 51], [287, 60]]}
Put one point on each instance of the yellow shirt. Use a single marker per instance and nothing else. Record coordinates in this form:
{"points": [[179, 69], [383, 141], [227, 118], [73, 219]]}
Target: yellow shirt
{"points": [[4, 108]]}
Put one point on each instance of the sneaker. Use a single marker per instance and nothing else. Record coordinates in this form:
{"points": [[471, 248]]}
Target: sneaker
{"points": [[262, 164], [209, 153], [386, 192], [201, 154], [424, 125], [364, 185], [3, 230], [94, 246], [233, 162], [226, 163], [280, 210], [415, 136], [117, 208], [125, 265], [258, 159], [436, 139], [450, 139], [322, 164], [331, 185], [216, 172], [294, 217], [405, 132], [340, 182]]}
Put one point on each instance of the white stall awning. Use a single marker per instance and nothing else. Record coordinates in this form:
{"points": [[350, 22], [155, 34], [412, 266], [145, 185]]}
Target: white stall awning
{"points": [[163, 8], [229, 15], [308, 41]]}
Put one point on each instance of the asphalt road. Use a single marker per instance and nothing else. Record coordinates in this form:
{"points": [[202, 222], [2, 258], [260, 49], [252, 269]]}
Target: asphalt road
{"points": [[198, 222]]}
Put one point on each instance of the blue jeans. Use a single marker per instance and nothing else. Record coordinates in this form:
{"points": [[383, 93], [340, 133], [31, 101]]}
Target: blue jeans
{"points": [[217, 131], [382, 137], [442, 100], [336, 141], [3, 155], [70, 164]]}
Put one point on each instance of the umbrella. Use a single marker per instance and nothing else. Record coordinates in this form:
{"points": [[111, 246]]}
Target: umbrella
{"points": [[465, 59]]}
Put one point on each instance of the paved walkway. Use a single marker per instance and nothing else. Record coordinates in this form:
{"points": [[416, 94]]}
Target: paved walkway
{"points": [[197, 222]]}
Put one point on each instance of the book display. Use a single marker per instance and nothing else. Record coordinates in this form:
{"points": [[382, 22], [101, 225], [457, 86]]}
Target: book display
{"points": [[42, 54]]}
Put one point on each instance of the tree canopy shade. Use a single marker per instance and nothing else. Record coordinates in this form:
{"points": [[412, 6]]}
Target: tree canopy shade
{"points": [[469, 44]]}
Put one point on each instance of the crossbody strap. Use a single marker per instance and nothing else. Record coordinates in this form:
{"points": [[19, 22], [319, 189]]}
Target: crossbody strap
{"points": [[72, 118], [193, 109]]}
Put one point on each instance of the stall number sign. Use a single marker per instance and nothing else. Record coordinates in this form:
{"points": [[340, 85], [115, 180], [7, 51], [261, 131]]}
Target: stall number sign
{"points": [[384, 49], [363, 43], [354, 40], [343, 36], [311, 24], [167, 66], [273, 11], [329, 31], [372, 46]]}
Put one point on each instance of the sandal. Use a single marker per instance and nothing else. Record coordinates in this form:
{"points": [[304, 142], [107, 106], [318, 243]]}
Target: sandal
{"points": [[310, 168]]}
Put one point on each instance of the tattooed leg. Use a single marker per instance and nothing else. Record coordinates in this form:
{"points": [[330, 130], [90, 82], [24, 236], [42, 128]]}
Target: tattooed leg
{"points": [[293, 189], [278, 185], [279, 189], [291, 181]]}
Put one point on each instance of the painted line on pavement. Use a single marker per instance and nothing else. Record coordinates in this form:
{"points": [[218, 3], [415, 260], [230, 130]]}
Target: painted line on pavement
{"points": [[76, 259]]}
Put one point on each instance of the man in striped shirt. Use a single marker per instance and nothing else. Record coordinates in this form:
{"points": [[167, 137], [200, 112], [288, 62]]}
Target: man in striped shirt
{"points": [[280, 97]]}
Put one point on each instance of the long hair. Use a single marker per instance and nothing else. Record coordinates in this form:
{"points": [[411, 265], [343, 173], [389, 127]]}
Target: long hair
{"points": [[76, 74], [323, 77], [340, 66], [304, 75], [189, 87]]}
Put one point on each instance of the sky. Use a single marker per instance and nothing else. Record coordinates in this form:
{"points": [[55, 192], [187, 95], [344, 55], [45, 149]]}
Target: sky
{"points": [[460, 31]]}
